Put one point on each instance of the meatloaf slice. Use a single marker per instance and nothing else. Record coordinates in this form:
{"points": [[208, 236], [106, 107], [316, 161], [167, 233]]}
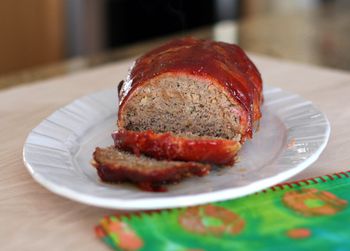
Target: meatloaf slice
{"points": [[114, 165], [178, 147]]}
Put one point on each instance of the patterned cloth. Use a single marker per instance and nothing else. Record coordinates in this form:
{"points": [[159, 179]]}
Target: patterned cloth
{"points": [[311, 214]]}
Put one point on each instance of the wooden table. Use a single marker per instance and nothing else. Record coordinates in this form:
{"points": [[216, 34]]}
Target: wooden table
{"points": [[32, 218]]}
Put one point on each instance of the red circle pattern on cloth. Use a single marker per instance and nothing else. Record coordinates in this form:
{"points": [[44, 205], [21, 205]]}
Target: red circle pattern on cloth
{"points": [[223, 221], [313, 202]]}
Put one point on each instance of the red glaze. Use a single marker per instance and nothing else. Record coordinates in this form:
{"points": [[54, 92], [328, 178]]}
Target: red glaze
{"points": [[224, 64], [170, 147]]}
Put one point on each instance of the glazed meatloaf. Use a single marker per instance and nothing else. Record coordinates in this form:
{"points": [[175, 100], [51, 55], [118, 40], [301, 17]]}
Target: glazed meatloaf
{"points": [[186, 102], [177, 147], [204, 87], [114, 165]]}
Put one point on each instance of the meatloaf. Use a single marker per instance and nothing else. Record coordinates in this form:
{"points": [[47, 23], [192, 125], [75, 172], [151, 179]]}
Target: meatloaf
{"points": [[114, 165], [204, 87], [178, 147]]}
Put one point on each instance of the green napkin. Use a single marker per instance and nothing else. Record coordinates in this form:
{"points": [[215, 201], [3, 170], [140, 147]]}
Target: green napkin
{"points": [[304, 215]]}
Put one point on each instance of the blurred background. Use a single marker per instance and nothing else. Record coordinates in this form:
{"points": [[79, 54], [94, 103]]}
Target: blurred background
{"points": [[43, 38]]}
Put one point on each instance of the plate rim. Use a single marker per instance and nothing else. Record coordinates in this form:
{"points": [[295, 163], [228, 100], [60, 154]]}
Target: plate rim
{"points": [[180, 200]]}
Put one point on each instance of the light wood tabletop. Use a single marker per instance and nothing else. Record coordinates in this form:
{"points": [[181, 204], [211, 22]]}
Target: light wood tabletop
{"points": [[32, 218]]}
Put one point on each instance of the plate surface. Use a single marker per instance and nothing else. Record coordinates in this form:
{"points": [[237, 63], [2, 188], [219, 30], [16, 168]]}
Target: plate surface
{"points": [[57, 153]]}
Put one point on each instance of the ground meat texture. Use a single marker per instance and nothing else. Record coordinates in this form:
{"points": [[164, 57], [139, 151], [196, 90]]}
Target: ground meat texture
{"points": [[180, 104], [178, 147], [114, 165]]}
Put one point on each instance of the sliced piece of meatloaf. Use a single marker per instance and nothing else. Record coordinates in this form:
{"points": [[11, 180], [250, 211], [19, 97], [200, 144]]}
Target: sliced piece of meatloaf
{"points": [[178, 147], [114, 165], [204, 87]]}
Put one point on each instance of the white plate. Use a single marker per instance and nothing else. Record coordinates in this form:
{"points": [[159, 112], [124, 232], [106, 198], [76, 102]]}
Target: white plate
{"points": [[58, 151]]}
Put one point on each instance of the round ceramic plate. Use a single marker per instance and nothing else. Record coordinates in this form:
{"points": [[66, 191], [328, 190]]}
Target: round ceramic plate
{"points": [[58, 152]]}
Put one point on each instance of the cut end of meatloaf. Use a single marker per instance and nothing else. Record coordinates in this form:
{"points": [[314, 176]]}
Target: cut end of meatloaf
{"points": [[182, 103], [114, 165], [178, 147]]}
